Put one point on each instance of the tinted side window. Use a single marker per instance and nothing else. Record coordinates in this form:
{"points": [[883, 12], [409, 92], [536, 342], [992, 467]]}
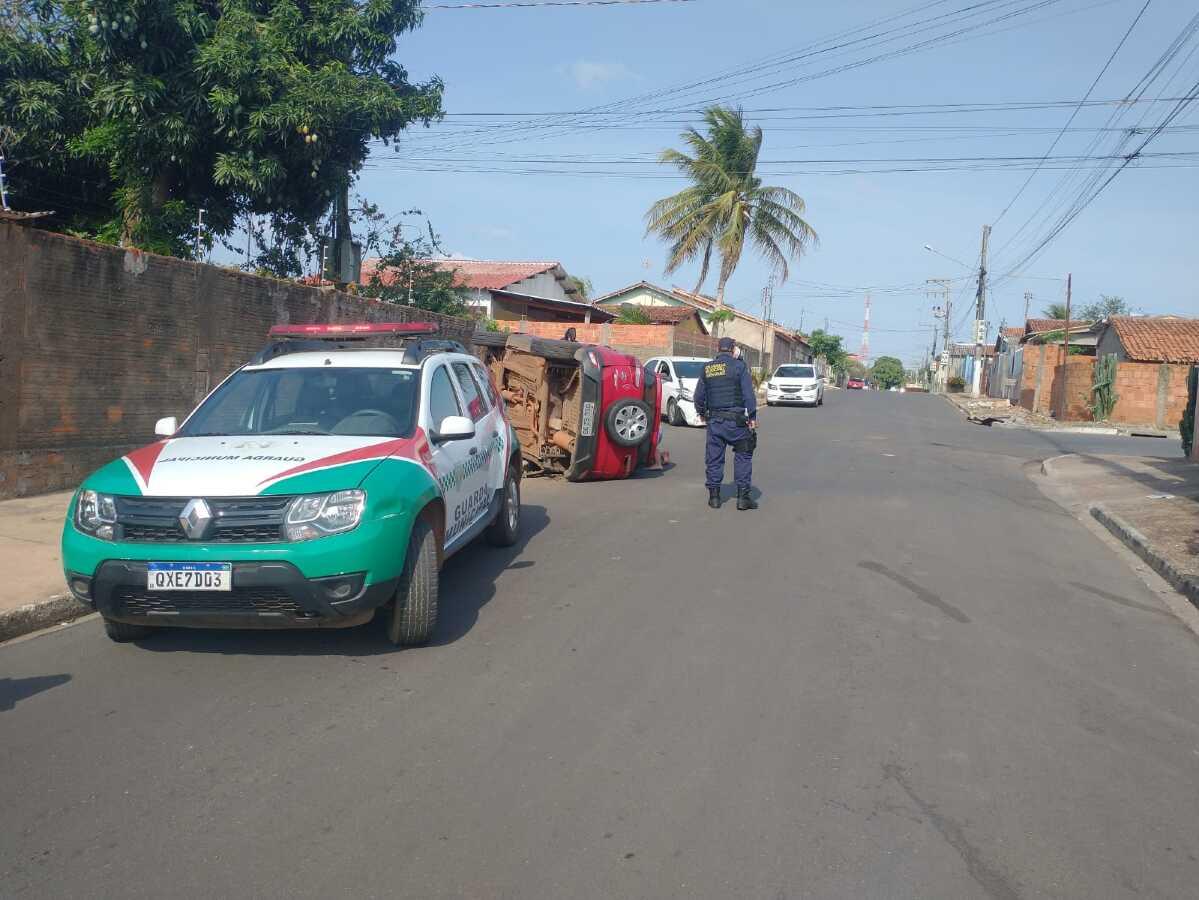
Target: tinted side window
{"points": [[476, 406], [442, 399], [483, 377]]}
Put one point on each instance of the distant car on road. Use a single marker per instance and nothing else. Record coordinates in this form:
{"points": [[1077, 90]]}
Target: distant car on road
{"points": [[855, 384], [795, 383], [678, 376]]}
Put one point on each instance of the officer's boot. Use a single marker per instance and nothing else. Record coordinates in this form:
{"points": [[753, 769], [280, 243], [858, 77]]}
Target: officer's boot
{"points": [[714, 497], [744, 500]]}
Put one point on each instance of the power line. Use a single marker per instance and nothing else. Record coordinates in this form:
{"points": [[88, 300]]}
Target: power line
{"points": [[1077, 108]]}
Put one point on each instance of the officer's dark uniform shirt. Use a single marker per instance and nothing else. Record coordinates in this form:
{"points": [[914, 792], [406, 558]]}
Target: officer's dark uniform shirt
{"points": [[723, 379]]}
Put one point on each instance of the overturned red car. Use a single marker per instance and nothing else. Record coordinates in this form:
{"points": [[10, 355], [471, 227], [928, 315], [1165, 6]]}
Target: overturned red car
{"points": [[580, 410]]}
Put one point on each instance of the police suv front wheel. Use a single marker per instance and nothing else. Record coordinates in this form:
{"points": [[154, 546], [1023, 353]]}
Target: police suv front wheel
{"points": [[628, 422], [123, 632], [414, 613]]}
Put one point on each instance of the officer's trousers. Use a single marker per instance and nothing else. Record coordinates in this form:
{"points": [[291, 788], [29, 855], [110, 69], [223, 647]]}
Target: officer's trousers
{"points": [[724, 433]]}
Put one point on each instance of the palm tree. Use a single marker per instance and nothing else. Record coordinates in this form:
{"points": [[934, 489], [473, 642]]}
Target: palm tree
{"points": [[727, 204], [1055, 311]]}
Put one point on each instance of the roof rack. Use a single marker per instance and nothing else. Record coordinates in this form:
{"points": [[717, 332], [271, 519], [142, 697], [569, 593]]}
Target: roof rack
{"points": [[381, 336]]}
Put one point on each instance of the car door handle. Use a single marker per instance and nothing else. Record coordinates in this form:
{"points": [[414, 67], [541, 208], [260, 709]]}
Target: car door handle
{"points": [[474, 451]]}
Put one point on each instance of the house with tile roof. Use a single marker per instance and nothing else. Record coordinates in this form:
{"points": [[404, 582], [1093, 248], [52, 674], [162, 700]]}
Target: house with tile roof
{"points": [[1150, 339], [537, 291], [782, 344]]}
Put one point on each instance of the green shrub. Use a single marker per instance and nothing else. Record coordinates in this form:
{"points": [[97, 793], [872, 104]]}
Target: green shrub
{"points": [[956, 384]]}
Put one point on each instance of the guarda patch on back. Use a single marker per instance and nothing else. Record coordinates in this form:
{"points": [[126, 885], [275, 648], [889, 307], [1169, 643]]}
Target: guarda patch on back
{"points": [[714, 370]]}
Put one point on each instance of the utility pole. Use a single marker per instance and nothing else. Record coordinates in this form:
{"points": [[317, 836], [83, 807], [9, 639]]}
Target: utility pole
{"points": [[980, 320], [199, 231], [941, 290], [864, 351], [3, 188], [249, 237], [1066, 355], [1027, 301], [767, 328]]}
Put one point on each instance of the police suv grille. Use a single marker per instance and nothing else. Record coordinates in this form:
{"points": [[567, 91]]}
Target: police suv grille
{"points": [[141, 602], [240, 520]]}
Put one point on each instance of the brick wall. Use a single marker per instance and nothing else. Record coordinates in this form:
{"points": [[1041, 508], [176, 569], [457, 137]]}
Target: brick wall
{"points": [[641, 341], [97, 343], [1074, 378], [1138, 386], [1036, 379]]}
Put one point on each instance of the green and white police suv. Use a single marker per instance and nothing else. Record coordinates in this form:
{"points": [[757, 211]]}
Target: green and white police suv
{"points": [[328, 478]]}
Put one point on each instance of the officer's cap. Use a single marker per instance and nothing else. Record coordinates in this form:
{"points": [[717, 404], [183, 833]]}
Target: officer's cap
{"points": [[726, 343]]}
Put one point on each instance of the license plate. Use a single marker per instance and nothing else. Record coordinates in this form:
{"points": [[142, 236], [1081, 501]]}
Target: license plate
{"points": [[189, 576], [587, 426]]}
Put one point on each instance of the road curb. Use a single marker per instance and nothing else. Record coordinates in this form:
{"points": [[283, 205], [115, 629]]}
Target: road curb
{"points": [[43, 614], [1049, 466], [1187, 585]]}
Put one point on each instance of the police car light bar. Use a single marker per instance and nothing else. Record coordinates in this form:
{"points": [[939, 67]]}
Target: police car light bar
{"points": [[362, 329]]}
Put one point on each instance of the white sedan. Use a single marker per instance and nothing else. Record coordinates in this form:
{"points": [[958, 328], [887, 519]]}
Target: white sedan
{"points": [[795, 383], [678, 375]]}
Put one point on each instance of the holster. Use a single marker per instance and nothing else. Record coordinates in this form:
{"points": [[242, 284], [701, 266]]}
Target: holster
{"points": [[747, 444]]}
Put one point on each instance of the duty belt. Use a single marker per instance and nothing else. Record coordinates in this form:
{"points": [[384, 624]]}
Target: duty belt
{"points": [[732, 415]]}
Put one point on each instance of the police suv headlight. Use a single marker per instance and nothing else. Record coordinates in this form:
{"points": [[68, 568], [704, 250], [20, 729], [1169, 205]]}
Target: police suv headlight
{"points": [[317, 515], [770, 386], [96, 514]]}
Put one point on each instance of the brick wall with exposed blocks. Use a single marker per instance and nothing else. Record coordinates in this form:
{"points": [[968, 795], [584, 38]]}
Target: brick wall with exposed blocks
{"points": [[1036, 378], [1150, 394], [1073, 382], [641, 341], [97, 343]]}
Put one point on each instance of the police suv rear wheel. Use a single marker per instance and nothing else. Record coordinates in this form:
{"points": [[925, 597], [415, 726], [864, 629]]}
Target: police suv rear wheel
{"points": [[505, 530], [414, 614], [628, 422]]}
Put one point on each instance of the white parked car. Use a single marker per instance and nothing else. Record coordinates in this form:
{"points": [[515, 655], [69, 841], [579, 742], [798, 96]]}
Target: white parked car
{"points": [[795, 383], [678, 376]]}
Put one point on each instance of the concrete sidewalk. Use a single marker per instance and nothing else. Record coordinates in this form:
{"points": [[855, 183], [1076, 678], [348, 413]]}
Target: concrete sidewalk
{"points": [[33, 593], [1152, 505]]}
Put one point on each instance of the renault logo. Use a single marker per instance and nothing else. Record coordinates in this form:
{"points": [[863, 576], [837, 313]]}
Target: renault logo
{"points": [[195, 518]]}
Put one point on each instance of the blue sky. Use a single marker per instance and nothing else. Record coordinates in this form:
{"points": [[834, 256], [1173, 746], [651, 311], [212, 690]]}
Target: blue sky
{"points": [[1136, 240]]}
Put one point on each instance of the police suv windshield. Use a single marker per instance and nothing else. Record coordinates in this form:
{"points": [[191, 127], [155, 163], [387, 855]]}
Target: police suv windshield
{"points": [[367, 402], [689, 369], [795, 372]]}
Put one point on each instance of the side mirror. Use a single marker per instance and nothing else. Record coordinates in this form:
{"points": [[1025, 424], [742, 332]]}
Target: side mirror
{"points": [[166, 427], [454, 428]]}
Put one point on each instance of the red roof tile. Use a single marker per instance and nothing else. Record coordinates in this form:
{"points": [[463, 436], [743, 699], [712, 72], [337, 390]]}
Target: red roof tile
{"points": [[487, 275], [1013, 333], [668, 315], [1170, 339]]}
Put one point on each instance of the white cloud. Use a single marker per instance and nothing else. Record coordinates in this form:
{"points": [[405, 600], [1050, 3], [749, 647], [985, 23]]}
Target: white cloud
{"points": [[588, 74]]}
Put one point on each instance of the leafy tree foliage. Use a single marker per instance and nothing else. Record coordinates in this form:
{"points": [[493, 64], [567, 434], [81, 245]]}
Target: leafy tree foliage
{"points": [[829, 347], [404, 274], [887, 372], [632, 314], [1054, 311], [128, 116], [1106, 305]]}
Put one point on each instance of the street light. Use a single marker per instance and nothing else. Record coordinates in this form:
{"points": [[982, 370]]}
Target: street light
{"points": [[931, 249]]}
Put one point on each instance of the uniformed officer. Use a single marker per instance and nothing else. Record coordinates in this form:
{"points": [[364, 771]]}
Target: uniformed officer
{"points": [[724, 396]]}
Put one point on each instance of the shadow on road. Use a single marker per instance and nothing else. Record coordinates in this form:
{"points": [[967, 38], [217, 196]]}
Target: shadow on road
{"points": [[14, 690], [467, 585]]}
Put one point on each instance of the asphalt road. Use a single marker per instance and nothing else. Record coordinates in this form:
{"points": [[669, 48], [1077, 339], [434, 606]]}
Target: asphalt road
{"points": [[909, 675]]}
